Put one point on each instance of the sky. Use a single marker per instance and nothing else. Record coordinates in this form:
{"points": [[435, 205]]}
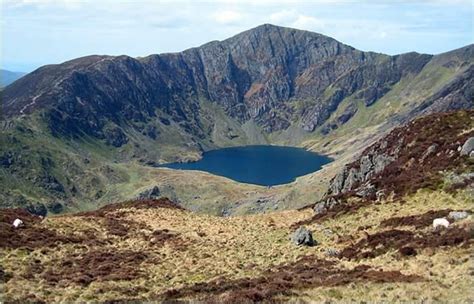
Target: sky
{"points": [[39, 32]]}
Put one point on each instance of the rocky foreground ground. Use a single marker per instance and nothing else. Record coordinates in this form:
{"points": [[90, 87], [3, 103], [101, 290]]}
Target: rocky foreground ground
{"points": [[155, 250]]}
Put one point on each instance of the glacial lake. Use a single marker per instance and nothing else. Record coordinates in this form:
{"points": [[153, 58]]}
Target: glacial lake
{"points": [[260, 165]]}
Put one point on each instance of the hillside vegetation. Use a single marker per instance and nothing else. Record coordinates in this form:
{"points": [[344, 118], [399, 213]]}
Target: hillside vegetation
{"points": [[368, 247], [149, 251]]}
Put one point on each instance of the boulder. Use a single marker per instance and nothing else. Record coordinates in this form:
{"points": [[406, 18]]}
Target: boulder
{"points": [[457, 215], [37, 209], [325, 205], [332, 252], [366, 191], [468, 146], [380, 195], [320, 208], [303, 236], [151, 193], [431, 150]]}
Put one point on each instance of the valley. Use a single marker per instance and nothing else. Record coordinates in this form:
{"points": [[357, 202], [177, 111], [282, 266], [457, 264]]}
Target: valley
{"points": [[99, 124], [373, 235]]}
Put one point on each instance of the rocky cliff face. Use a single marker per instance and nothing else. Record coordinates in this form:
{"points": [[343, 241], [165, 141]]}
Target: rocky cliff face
{"points": [[262, 75], [425, 153]]}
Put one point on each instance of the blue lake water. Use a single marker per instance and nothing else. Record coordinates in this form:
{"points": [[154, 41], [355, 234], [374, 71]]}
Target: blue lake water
{"points": [[261, 165]]}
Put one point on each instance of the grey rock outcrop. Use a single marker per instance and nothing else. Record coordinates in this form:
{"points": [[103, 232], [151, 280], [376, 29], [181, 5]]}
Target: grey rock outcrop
{"points": [[115, 137], [349, 178], [303, 236], [151, 193], [325, 205], [458, 94], [468, 146], [367, 190], [37, 209], [380, 195], [431, 150], [349, 111]]}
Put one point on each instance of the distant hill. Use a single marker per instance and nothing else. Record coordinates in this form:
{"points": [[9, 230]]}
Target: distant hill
{"points": [[7, 77]]}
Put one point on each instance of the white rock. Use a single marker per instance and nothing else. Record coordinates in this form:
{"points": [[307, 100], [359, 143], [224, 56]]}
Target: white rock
{"points": [[17, 223], [440, 222], [457, 215]]}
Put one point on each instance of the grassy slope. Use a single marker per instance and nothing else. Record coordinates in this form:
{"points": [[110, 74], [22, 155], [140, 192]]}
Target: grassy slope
{"points": [[184, 248]]}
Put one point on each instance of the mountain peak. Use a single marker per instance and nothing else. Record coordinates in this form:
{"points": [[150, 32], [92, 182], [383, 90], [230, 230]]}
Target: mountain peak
{"points": [[271, 29]]}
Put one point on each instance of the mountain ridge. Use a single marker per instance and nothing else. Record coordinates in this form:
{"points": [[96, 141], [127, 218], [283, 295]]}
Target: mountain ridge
{"points": [[267, 85]]}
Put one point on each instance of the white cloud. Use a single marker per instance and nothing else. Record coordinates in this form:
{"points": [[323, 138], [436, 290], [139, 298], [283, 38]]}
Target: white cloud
{"points": [[284, 16], [308, 22], [227, 16], [295, 19], [67, 4], [453, 2]]}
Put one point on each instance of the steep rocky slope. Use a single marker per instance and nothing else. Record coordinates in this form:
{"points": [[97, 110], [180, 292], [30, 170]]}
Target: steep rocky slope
{"points": [[74, 132], [426, 153], [251, 76]]}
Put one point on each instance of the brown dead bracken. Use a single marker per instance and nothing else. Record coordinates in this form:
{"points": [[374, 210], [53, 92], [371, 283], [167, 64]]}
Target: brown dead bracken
{"points": [[136, 204], [381, 242], [338, 210], [417, 221], [97, 265], [32, 235], [309, 271]]}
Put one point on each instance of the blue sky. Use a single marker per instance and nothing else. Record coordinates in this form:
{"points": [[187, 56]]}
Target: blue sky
{"points": [[38, 32]]}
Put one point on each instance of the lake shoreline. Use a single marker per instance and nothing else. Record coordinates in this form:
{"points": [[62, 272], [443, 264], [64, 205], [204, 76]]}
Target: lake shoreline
{"points": [[298, 161]]}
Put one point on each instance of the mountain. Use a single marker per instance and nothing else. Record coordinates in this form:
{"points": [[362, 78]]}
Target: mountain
{"points": [[7, 77], [373, 238], [85, 132]]}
